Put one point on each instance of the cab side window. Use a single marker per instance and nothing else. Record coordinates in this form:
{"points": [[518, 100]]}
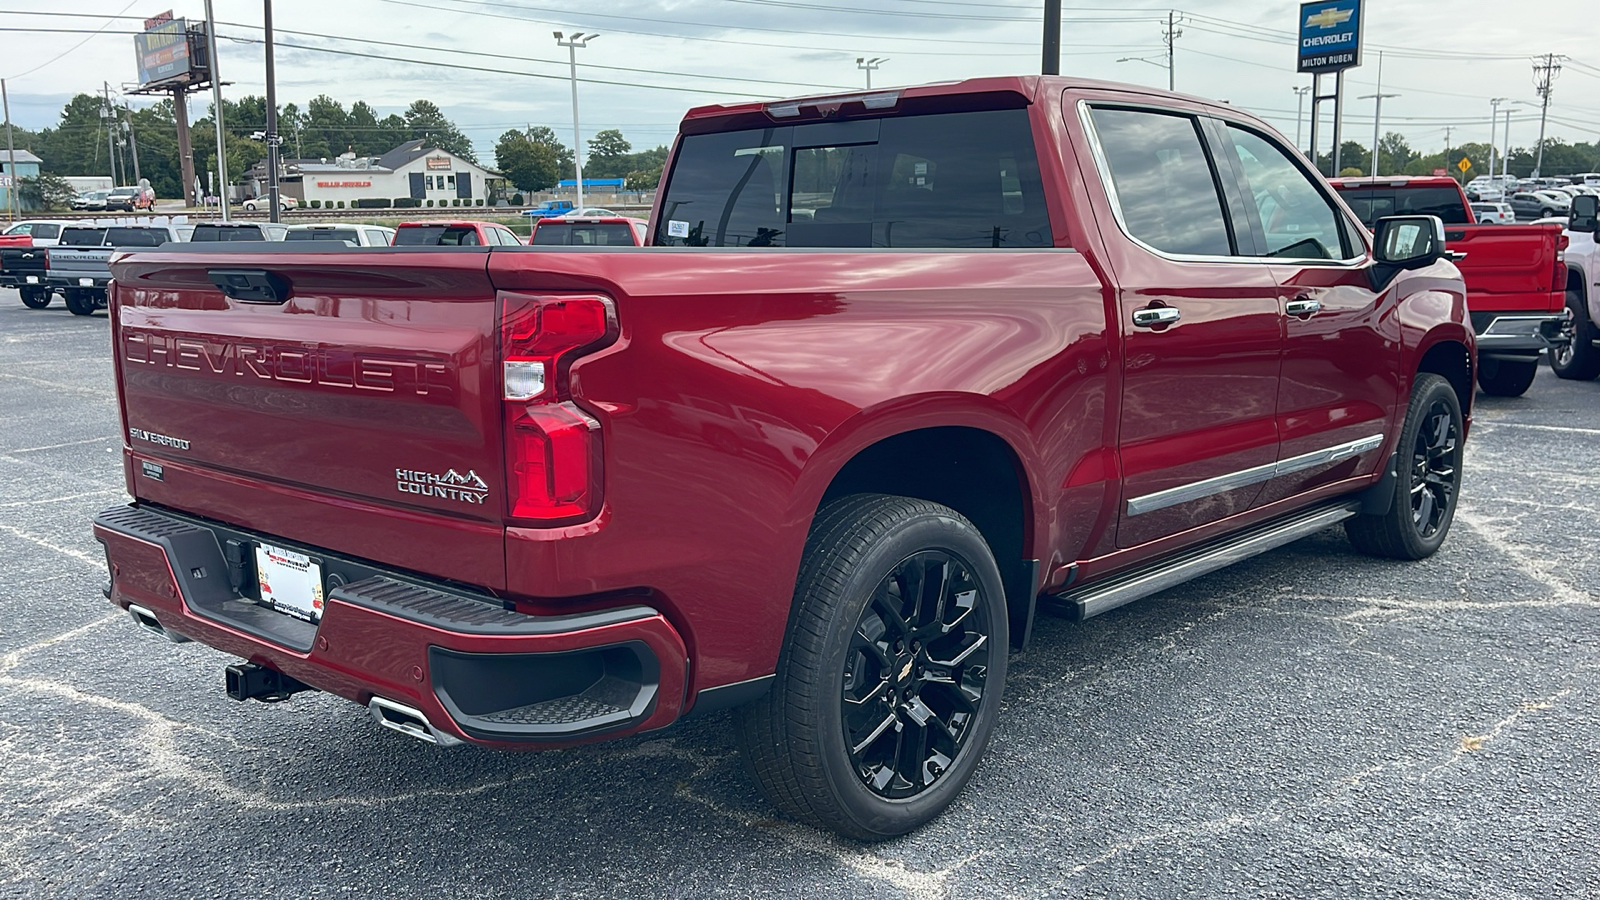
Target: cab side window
{"points": [[1162, 181], [1297, 219]]}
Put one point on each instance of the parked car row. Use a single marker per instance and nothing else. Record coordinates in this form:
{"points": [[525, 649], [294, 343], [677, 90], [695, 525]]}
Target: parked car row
{"points": [[80, 270]]}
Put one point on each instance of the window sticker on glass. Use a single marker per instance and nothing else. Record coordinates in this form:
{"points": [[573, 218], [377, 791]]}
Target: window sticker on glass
{"points": [[677, 228]]}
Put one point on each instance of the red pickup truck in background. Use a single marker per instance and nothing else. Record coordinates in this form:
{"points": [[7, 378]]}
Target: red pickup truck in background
{"points": [[1516, 282], [437, 233], [898, 368]]}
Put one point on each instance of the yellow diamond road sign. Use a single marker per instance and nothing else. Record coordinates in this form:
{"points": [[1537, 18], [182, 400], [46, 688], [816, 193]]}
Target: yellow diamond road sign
{"points": [[1465, 164]]}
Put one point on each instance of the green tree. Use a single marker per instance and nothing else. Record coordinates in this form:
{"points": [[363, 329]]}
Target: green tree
{"points": [[1394, 154], [46, 192], [428, 123], [533, 159], [608, 151]]}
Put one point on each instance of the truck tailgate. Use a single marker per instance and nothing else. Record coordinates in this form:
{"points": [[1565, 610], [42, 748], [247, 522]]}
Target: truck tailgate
{"points": [[362, 414], [74, 262], [1508, 268]]}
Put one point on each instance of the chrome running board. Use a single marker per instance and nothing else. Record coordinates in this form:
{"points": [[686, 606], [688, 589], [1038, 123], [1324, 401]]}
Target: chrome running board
{"points": [[1098, 597]]}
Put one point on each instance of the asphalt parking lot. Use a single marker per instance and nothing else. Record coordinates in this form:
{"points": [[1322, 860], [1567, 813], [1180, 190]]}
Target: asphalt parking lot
{"points": [[1311, 723]]}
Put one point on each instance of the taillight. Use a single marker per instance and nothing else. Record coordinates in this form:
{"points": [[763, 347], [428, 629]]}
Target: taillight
{"points": [[553, 447], [1559, 283]]}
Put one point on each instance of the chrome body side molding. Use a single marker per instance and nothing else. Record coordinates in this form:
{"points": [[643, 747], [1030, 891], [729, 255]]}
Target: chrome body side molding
{"points": [[1255, 475]]}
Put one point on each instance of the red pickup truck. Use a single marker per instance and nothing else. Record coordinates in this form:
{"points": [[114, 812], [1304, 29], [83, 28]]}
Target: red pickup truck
{"points": [[1516, 281], [817, 455]]}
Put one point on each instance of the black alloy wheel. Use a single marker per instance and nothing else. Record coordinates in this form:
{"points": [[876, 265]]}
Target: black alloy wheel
{"points": [[888, 685], [1434, 470], [915, 676], [1427, 478]]}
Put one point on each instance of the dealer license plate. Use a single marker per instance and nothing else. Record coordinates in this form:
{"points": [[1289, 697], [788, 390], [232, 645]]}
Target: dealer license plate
{"points": [[33, 279], [291, 582], [85, 282]]}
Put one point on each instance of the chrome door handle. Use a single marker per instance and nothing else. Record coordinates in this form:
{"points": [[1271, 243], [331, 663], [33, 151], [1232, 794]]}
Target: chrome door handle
{"points": [[1302, 306], [1150, 317]]}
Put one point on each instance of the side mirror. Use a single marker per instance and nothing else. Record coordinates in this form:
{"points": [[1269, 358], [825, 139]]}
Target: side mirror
{"points": [[1405, 242], [1585, 213]]}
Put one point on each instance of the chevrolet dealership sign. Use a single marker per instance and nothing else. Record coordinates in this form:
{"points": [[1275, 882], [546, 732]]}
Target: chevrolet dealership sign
{"points": [[1330, 35]]}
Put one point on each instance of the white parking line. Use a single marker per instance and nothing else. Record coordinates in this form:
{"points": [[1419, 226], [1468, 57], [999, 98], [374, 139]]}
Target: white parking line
{"points": [[94, 440], [1566, 428]]}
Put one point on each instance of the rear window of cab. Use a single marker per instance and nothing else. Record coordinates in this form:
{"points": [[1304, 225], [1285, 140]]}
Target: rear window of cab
{"points": [[584, 234]]}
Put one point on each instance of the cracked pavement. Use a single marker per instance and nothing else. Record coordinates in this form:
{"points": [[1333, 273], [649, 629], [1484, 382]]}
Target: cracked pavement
{"points": [[1310, 723]]}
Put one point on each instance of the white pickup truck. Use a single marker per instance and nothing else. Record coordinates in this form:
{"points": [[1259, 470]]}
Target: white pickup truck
{"points": [[1579, 359]]}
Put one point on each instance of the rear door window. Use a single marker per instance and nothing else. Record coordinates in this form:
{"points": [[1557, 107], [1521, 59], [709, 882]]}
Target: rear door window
{"points": [[1162, 181], [47, 231], [951, 180]]}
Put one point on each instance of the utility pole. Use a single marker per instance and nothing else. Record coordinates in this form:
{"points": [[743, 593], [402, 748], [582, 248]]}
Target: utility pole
{"points": [[133, 143], [1171, 34], [1447, 166], [572, 44], [272, 118], [108, 119], [868, 65], [1299, 114], [1543, 75], [1051, 65], [11, 155], [221, 168], [180, 113]]}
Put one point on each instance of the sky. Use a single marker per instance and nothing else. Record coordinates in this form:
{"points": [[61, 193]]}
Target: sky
{"points": [[654, 59]]}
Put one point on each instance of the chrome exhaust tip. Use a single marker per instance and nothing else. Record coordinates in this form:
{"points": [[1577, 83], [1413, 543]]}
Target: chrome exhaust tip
{"points": [[147, 620], [409, 722]]}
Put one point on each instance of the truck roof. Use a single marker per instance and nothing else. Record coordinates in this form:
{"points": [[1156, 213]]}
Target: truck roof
{"points": [[1027, 87]]}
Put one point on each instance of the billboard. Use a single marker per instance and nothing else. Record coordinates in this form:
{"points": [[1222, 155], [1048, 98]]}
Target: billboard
{"points": [[1330, 35], [163, 52]]}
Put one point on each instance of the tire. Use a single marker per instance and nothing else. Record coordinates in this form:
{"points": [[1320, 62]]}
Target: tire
{"points": [[250, 206], [815, 743], [1546, 213], [79, 303], [1506, 377], [1579, 359], [35, 298], [1425, 493]]}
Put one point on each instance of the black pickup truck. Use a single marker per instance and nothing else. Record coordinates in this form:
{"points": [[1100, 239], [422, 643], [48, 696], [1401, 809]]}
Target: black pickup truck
{"points": [[28, 269]]}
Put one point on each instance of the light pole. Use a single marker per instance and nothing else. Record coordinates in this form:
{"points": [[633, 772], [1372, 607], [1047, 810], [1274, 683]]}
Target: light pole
{"points": [[1299, 113], [1160, 63], [1505, 153], [1377, 112], [216, 97], [1494, 122], [578, 39], [272, 118], [867, 65]]}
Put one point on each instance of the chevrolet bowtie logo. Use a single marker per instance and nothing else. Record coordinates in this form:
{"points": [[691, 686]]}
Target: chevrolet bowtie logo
{"points": [[1329, 18]]}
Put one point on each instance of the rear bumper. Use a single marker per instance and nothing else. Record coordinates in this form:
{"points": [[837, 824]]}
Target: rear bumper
{"points": [[96, 283], [1517, 335], [478, 671]]}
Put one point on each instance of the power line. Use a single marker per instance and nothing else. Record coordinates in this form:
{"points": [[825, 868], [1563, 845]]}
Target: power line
{"points": [[74, 47]]}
